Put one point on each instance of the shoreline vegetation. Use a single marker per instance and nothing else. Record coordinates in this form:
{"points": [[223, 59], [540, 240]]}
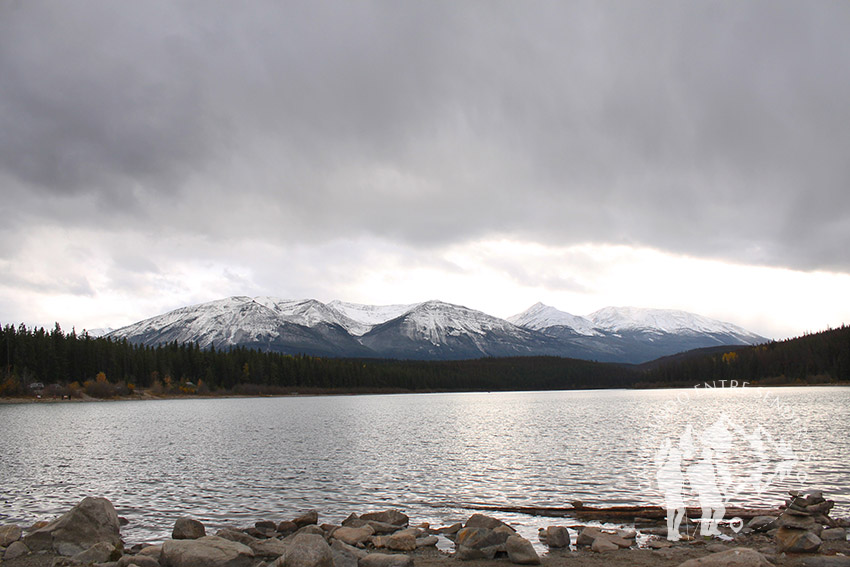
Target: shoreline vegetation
{"points": [[56, 365]]}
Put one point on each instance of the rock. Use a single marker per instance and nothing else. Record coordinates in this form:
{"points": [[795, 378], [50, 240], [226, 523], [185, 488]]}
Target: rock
{"points": [[342, 556], [823, 561], [99, 553], [834, 534], [381, 527], [589, 534], [15, 549], [763, 523], [658, 544], [10, 534], [520, 551], [799, 522], [483, 521], [393, 517], [236, 535], [386, 560], [427, 541], [138, 561], [401, 542], [310, 517], [463, 553], [208, 551], [311, 529], [354, 536], [266, 525], [287, 527], [557, 537], [187, 528], [308, 550], [91, 521], [154, 551], [450, 530], [478, 538], [797, 541], [271, 547], [601, 545], [741, 557], [344, 547]]}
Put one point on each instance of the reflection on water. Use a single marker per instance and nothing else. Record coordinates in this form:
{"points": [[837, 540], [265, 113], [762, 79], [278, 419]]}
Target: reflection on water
{"points": [[235, 461]]}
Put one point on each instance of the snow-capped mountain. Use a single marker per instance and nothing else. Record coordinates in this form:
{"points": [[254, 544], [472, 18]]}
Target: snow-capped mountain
{"points": [[632, 334], [433, 330], [540, 317]]}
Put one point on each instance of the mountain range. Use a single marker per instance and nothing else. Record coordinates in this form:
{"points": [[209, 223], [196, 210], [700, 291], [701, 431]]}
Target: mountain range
{"points": [[433, 330]]}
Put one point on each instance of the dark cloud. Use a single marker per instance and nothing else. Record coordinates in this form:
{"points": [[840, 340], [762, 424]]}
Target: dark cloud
{"points": [[712, 129]]}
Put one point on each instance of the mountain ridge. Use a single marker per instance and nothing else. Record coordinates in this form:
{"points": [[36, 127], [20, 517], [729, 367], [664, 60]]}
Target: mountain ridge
{"points": [[433, 330]]}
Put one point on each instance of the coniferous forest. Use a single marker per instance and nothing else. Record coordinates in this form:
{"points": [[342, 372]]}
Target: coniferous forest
{"points": [[58, 364]]}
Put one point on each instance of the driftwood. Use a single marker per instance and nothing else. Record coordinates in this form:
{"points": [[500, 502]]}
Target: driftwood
{"points": [[619, 513]]}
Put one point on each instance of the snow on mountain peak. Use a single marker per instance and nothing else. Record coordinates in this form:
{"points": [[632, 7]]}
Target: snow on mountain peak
{"points": [[616, 319], [364, 317], [540, 317]]}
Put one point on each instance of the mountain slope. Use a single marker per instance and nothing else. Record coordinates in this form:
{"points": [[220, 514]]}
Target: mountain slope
{"points": [[264, 324], [435, 329]]}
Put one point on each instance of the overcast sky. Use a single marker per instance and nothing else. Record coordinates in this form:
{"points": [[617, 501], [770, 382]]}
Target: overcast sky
{"points": [[687, 155]]}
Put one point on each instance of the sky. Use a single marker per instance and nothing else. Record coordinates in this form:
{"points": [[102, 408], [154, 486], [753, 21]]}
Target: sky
{"points": [[667, 154]]}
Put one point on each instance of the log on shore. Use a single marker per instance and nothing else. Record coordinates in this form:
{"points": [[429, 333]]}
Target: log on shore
{"points": [[616, 512]]}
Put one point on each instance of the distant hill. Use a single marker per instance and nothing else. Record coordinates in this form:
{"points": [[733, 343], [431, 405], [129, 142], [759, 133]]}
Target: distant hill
{"points": [[815, 358]]}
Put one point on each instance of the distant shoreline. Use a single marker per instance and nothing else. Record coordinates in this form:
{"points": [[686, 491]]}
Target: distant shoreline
{"points": [[306, 392]]}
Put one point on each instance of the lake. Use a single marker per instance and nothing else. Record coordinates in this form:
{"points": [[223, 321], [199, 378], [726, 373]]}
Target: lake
{"points": [[235, 461]]}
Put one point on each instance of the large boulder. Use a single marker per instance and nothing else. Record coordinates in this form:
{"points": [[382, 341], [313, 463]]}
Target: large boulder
{"points": [[99, 553], [520, 551], [92, 521], [10, 534], [479, 543], [269, 548], [307, 550], [740, 557], [16, 549], [484, 521], [208, 551], [187, 528]]}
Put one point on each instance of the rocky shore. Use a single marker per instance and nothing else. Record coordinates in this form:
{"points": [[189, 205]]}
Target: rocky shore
{"points": [[799, 533]]}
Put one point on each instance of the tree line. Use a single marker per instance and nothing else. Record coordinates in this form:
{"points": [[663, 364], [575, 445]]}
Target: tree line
{"points": [[55, 363], [69, 364]]}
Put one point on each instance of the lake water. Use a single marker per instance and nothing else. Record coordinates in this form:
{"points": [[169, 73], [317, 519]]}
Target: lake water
{"points": [[235, 461]]}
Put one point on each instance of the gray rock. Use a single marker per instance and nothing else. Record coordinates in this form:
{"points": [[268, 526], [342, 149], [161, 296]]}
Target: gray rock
{"points": [[308, 550], [138, 561], [271, 547], [601, 545], [763, 523], [208, 551], [236, 535], [91, 521], [342, 556], [99, 553], [427, 541], [401, 542], [154, 551], [797, 541], [450, 530], [479, 538], [484, 521], [386, 560], [520, 551], [287, 527], [354, 536], [309, 517], [741, 557], [187, 528], [10, 534], [393, 517], [557, 537], [15, 549], [658, 544], [344, 547], [463, 553], [834, 534]]}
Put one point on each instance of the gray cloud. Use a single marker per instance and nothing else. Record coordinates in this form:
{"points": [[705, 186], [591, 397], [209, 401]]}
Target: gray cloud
{"points": [[711, 129]]}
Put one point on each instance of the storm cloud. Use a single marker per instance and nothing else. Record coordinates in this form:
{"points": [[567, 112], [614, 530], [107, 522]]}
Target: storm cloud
{"points": [[714, 130]]}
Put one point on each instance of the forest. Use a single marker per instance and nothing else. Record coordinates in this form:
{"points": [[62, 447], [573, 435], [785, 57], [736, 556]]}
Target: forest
{"points": [[37, 362]]}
